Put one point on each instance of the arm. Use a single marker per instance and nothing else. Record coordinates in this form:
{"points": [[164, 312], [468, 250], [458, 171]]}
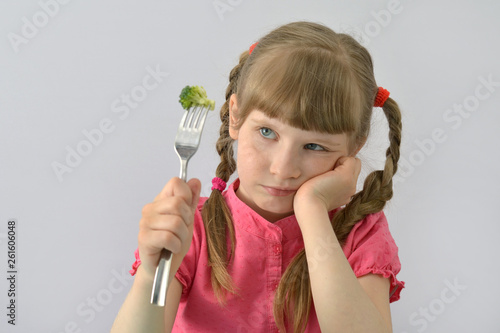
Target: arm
{"points": [[137, 314], [343, 302], [167, 222]]}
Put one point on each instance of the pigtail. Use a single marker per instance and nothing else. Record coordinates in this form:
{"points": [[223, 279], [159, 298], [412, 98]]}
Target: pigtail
{"points": [[377, 188], [293, 298], [216, 215]]}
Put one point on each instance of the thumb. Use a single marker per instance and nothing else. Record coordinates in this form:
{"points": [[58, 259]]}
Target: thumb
{"points": [[195, 186]]}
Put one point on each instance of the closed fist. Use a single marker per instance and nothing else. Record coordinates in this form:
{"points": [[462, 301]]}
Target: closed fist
{"points": [[167, 223]]}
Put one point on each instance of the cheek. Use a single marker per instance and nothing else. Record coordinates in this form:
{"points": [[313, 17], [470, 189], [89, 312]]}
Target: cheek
{"points": [[325, 167], [251, 149], [247, 158], [252, 162], [321, 166], [259, 146]]}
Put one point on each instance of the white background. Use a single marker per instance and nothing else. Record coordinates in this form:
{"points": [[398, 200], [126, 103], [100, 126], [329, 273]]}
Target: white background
{"points": [[68, 71]]}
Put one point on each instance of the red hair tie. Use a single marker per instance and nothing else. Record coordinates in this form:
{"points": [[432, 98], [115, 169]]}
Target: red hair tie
{"points": [[250, 50], [218, 184], [382, 96]]}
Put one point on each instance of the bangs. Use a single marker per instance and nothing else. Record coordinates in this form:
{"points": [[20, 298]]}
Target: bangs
{"points": [[307, 88]]}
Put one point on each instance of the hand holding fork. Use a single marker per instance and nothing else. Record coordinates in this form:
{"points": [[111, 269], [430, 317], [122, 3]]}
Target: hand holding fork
{"points": [[187, 142]]}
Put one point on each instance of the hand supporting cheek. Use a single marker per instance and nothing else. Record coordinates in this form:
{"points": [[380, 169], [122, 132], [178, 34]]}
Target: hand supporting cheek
{"points": [[329, 190]]}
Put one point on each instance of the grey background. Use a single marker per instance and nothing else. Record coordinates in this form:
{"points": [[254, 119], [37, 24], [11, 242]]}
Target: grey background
{"points": [[77, 233]]}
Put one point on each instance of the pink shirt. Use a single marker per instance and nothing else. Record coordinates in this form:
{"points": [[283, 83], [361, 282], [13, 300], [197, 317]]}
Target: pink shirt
{"points": [[263, 251]]}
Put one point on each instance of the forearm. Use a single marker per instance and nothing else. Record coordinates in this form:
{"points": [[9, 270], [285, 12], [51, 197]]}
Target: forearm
{"points": [[340, 302], [137, 314]]}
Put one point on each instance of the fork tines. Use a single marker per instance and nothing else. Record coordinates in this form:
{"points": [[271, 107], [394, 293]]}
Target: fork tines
{"points": [[193, 117]]}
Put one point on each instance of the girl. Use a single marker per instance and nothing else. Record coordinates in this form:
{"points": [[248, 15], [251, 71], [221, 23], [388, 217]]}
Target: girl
{"points": [[276, 251]]}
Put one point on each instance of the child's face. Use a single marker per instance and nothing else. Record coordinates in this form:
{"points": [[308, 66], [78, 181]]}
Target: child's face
{"points": [[274, 159]]}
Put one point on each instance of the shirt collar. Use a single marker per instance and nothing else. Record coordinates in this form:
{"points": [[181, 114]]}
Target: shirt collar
{"points": [[246, 218]]}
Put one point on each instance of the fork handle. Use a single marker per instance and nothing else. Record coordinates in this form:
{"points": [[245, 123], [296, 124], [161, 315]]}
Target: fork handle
{"points": [[160, 285], [183, 173]]}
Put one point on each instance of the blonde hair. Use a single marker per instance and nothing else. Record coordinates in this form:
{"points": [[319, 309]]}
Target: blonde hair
{"points": [[312, 78]]}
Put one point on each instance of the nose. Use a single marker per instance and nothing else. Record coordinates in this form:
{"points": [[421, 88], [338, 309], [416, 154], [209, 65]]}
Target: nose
{"points": [[285, 163]]}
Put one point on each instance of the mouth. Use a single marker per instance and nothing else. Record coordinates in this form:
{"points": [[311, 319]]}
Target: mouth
{"points": [[278, 191]]}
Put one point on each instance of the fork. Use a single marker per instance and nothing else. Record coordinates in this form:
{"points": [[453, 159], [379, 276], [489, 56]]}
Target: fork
{"points": [[186, 144]]}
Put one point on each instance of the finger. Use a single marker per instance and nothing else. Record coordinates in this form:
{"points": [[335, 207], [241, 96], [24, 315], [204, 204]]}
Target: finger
{"points": [[353, 165], [195, 186], [176, 187], [357, 166], [164, 192], [171, 223], [340, 161], [155, 241], [167, 206]]}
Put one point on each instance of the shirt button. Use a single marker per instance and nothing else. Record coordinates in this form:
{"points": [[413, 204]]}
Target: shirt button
{"points": [[275, 286], [277, 250]]}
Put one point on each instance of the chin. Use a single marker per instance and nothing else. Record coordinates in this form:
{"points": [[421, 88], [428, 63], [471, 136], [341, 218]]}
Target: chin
{"points": [[272, 214]]}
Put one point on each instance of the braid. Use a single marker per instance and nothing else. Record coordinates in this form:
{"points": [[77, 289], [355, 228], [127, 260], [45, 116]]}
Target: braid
{"points": [[216, 215], [377, 188], [293, 298]]}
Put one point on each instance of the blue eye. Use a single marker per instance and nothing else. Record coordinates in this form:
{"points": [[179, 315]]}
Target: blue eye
{"points": [[314, 146], [267, 133]]}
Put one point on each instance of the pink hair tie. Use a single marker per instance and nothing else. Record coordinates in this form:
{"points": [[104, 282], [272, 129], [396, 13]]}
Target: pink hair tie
{"points": [[250, 50], [218, 184], [382, 96]]}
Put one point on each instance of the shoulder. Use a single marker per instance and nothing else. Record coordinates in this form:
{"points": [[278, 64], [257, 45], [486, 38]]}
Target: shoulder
{"points": [[372, 230]]}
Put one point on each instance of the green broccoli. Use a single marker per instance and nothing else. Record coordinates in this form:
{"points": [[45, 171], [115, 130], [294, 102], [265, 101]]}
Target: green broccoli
{"points": [[192, 96]]}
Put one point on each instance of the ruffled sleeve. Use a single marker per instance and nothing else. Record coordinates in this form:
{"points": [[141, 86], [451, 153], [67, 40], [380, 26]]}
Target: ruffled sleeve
{"points": [[370, 248], [136, 264]]}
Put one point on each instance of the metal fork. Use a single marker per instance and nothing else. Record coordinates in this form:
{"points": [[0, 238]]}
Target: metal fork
{"points": [[187, 141]]}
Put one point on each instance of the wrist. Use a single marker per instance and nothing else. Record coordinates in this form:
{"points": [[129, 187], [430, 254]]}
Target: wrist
{"points": [[144, 278], [309, 205], [311, 214]]}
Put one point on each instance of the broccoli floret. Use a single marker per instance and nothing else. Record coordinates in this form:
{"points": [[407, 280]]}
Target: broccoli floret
{"points": [[192, 96]]}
